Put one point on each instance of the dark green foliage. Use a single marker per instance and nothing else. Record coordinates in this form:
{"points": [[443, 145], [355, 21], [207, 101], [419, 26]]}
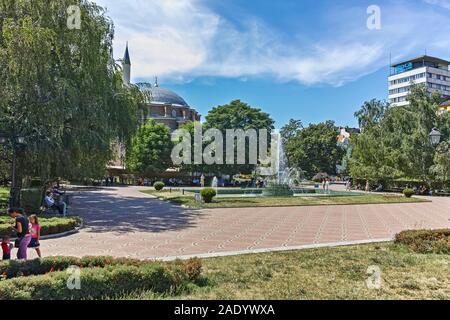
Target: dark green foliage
{"points": [[426, 241], [150, 150], [208, 194], [234, 116], [314, 148], [158, 185], [31, 200]]}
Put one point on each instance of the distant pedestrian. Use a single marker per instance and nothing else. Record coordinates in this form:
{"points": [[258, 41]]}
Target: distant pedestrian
{"points": [[367, 186], [348, 186], [327, 185]]}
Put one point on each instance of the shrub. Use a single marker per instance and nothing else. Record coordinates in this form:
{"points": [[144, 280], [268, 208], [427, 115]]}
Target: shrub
{"points": [[425, 241], [101, 277], [31, 200], [190, 269], [159, 185], [96, 283], [208, 194], [408, 192]]}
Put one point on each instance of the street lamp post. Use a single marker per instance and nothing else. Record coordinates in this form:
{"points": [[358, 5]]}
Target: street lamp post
{"points": [[435, 139], [15, 141]]}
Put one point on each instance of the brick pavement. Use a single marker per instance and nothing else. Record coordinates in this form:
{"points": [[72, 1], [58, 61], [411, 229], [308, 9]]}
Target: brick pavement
{"points": [[123, 222]]}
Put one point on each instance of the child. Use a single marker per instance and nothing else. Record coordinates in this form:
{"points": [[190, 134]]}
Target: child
{"points": [[6, 248], [35, 231]]}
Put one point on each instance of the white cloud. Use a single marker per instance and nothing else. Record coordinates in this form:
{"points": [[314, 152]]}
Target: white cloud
{"points": [[182, 39], [442, 3]]}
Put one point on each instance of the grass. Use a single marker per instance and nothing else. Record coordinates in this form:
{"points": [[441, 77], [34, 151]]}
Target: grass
{"points": [[325, 273], [188, 200]]}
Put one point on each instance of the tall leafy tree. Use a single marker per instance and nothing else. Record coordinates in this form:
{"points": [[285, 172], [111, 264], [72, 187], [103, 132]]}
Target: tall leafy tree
{"points": [[150, 150], [237, 115], [398, 145], [314, 149], [61, 87]]}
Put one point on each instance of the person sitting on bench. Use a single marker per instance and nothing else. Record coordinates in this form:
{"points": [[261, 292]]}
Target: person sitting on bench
{"points": [[51, 203]]}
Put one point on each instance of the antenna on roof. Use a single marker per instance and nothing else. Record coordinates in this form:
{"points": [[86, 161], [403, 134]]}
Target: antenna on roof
{"points": [[390, 63]]}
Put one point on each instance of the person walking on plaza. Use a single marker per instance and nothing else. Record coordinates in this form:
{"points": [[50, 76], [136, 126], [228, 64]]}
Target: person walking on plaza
{"points": [[23, 233], [202, 181], [348, 185], [367, 186]]}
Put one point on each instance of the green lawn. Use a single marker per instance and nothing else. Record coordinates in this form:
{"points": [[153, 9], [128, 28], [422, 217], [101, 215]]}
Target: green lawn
{"points": [[325, 273], [236, 202]]}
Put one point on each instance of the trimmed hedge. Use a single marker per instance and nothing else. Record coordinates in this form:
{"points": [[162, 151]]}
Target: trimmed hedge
{"points": [[208, 194], [408, 192], [426, 241], [49, 225], [101, 277], [159, 185], [15, 268]]}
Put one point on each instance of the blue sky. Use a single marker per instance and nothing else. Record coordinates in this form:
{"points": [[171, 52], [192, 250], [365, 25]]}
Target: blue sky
{"points": [[303, 59]]}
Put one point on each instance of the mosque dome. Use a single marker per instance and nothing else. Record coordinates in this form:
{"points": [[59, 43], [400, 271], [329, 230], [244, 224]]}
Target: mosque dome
{"points": [[158, 95]]}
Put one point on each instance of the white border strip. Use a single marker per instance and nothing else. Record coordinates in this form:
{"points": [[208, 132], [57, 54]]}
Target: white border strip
{"points": [[277, 249]]}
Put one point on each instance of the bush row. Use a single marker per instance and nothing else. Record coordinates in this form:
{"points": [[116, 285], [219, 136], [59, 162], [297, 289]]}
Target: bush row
{"points": [[95, 283], [15, 268], [49, 225], [425, 241]]}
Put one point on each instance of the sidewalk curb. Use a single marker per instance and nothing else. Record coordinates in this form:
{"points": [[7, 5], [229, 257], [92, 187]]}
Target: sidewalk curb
{"points": [[269, 250], [62, 234]]}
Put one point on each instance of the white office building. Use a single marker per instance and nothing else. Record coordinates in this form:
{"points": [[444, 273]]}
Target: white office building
{"points": [[431, 71]]}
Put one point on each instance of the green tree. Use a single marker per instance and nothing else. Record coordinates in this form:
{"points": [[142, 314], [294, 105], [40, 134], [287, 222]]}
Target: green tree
{"points": [[237, 115], [398, 145], [314, 149], [150, 150], [371, 113], [62, 88]]}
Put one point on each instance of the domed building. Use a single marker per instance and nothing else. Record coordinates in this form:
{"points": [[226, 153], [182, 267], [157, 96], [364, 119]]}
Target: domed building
{"points": [[163, 105]]}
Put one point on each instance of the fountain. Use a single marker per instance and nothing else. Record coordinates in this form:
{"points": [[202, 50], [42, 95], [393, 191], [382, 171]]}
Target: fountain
{"points": [[287, 179], [215, 184]]}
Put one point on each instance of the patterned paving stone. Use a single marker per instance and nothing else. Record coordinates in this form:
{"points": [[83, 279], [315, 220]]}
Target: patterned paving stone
{"points": [[123, 222]]}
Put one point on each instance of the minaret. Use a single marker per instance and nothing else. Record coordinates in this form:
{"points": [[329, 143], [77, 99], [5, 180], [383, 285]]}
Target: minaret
{"points": [[126, 67]]}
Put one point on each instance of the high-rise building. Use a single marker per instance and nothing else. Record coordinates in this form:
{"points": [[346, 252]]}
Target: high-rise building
{"points": [[431, 71]]}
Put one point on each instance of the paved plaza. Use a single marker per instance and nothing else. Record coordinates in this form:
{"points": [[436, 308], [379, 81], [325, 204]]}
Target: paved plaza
{"points": [[124, 222]]}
